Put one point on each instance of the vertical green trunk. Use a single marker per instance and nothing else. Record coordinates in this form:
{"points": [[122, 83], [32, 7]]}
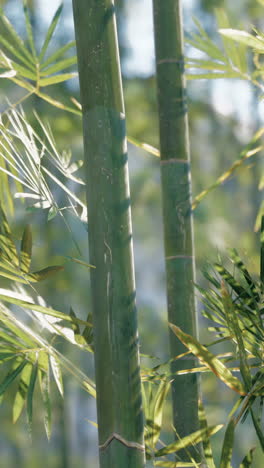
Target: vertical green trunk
{"points": [[119, 408], [176, 189]]}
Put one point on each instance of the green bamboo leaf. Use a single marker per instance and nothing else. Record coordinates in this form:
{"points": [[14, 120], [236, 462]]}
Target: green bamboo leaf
{"points": [[212, 76], [45, 392], [6, 243], [42, 309], [244, 155], [59, 66], [191, 439], [15, 53], [50, 32], [234, 328], [154, 419], [46, 272], [208, 453], [59, 53], [232, 282], [245, 38], [236, 53], [57, 79], [21, 394], [209, 360], [227, 449], [23, 71], [145, 146], [30, 395], [11, 375], [24, 84], [56, 103], [89, 388], [17, 41], [26, 249], [248, 460], [56, 370], [29, 29]]}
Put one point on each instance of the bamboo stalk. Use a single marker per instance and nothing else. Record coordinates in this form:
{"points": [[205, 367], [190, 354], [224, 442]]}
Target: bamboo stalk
{"points": [[119, 410], [177, 219]]}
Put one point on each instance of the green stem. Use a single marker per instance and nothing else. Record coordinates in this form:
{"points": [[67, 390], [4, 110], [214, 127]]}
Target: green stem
{"points": [[177, 219], [120, 420]]}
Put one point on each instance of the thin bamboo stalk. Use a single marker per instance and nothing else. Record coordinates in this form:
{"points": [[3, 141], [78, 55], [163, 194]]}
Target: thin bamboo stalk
{"points": [[177, 219], [120, 421]]}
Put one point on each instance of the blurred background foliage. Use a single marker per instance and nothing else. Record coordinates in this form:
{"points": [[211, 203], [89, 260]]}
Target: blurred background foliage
{"points": [[223, 116]]}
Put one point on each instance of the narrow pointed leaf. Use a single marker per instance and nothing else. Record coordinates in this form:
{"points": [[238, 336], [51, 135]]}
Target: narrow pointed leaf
{"points": [[56, 370], [45, 392], [56, 79], [42, 309], [192, 439], [208, 453], [17, 41], [50, 32], [227, 450], [21, 394], [248, 460], [59, 66], [46, 272], [209, 360], [245, 38], [6, 242], [26, 249], [59, 53], [10, 377], [29, 29], [30, 395]]}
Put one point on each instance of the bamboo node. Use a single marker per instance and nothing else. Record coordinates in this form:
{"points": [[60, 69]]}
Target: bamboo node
{"points": [[116, 436]]}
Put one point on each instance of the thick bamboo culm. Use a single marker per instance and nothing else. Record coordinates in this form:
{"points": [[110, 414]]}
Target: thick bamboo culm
{"points": [[119, 409], [177, 218]]}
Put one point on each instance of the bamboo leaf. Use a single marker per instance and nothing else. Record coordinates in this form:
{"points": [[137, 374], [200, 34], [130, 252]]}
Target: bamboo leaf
{"points": [[10, 377], [50, 32], [17, 41], [150, 149], [59, 66], [248, 460], [245, 38], [45, 392], [46, 272], [30, 395], [234, 327], [208, 453], [59, 53], [191, 439], [56, 103], [26, 249], [56, 370], [29, 29], [21, 394], [6, 243], [57, 79], [227, 449], [42, 309], [155, 413], [209, 360]]}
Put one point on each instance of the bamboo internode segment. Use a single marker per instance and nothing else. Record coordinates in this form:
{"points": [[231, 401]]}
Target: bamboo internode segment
{"points": [[118, 385], [177, 210]]}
